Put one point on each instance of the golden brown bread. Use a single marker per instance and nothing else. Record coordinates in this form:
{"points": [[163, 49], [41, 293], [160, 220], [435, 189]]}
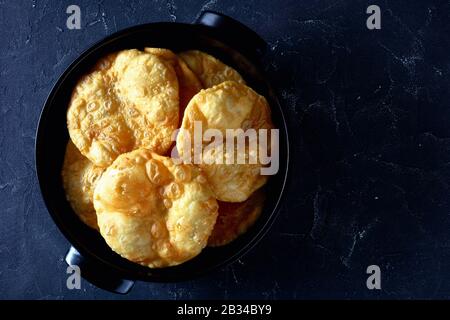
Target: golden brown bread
{"points": [[152, 211], [129, 100], [209, 70], [229, 105], [188, 83], [235, 218], [80, 177]]}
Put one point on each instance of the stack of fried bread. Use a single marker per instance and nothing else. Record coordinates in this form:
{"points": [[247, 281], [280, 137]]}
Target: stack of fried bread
{"points": [[119, 174]]}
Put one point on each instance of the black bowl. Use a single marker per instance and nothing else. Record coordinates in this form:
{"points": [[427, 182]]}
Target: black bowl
{"points": [[216, 34]]}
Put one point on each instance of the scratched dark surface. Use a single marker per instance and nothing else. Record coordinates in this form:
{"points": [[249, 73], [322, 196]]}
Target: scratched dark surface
{"points": [[369, 121]]}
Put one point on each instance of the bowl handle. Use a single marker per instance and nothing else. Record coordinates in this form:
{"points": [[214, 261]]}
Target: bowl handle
{"points": [[97, 274], [234, 32]]}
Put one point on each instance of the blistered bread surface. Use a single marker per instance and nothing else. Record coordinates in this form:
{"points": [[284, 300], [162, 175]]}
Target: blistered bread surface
{"points": [[80, 177], [235, 218], [152, 211], [229, 105], [129, 100], [210, 70]]}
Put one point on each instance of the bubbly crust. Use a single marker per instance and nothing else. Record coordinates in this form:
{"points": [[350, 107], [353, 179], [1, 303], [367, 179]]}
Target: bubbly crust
{"points": [[129, 100], [80, 177], [189, 84], [235, 219], [152, 211], [209, 70], [229, 105], [163, 53]]}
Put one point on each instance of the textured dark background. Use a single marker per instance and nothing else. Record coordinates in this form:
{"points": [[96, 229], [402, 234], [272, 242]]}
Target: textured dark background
{"points": [[370, 125]]}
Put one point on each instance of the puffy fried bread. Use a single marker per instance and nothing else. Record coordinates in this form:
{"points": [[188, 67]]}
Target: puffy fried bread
{"points": [[129, 100], [152, 211], [235, 218], [188, 83], [229, 105], [79, 177], [209, 70]]}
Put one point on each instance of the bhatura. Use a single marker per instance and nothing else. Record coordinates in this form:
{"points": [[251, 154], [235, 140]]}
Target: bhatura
{"points": [[229, 105], [237, 143], [152, 209]]}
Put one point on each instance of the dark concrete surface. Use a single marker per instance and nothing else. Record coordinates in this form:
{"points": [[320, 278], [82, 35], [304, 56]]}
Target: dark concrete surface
{"points": [[369, 117]]}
